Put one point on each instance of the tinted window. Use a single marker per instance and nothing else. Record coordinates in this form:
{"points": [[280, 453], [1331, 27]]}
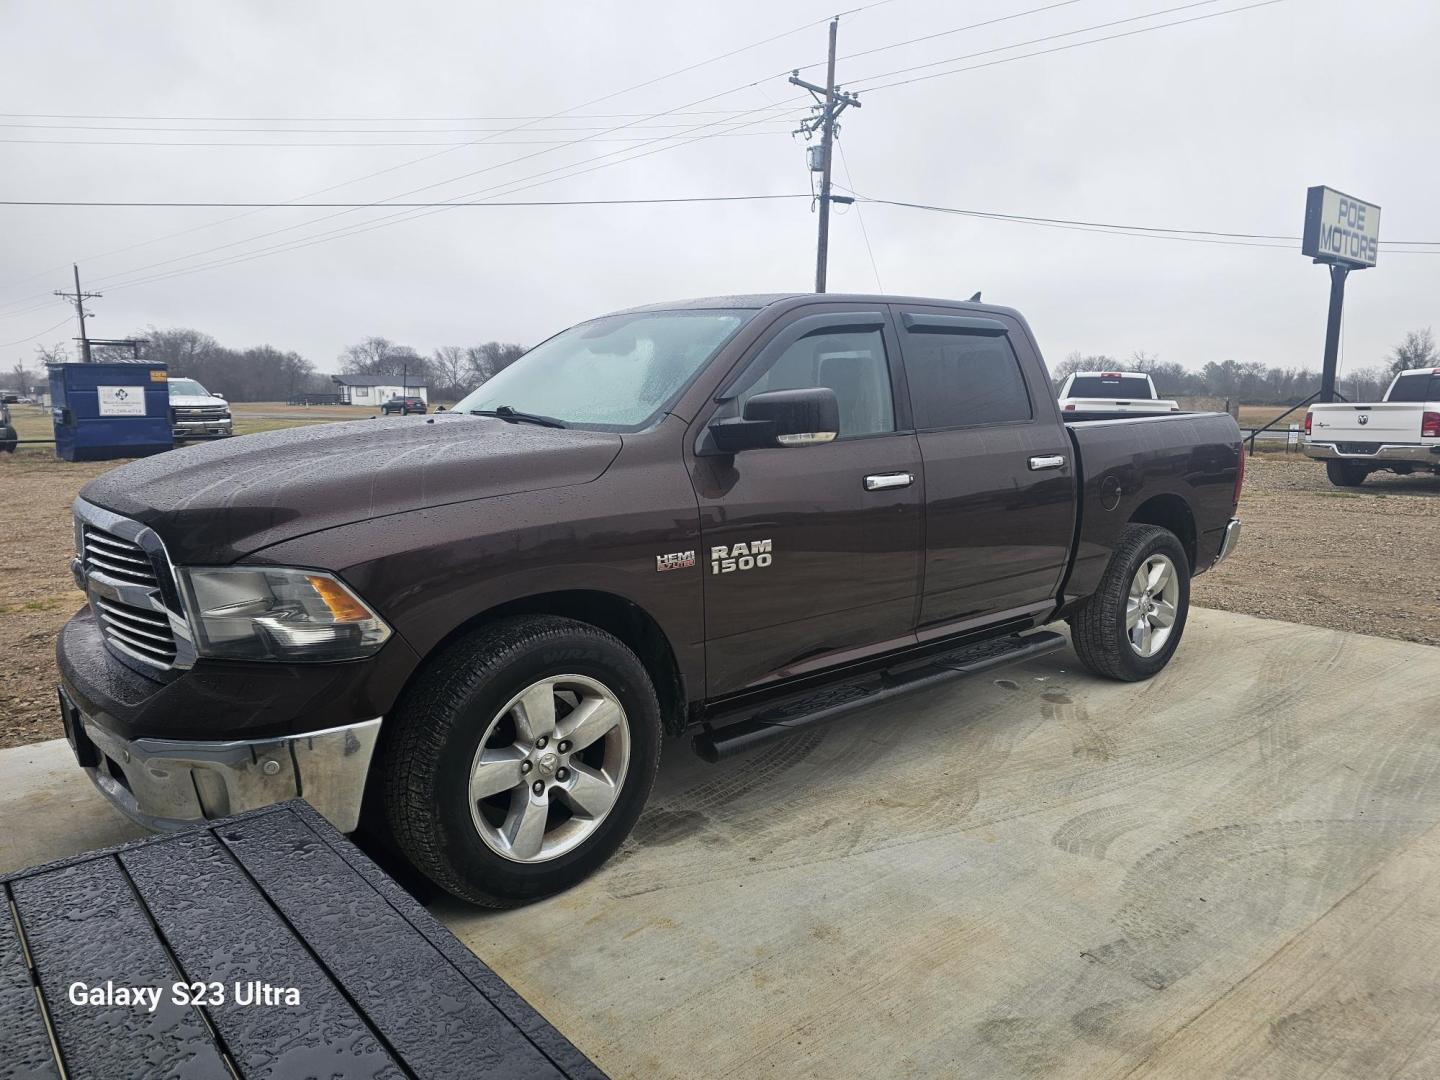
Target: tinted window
{"points": [[959, 380], [1104, 386], [1421, 387], [852, 363]]}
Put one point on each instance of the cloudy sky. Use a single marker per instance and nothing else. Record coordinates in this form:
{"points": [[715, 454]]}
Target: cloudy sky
{"points": [[1217, 124]]}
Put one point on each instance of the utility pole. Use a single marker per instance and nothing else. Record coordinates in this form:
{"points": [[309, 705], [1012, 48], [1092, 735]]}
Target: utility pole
{"points": [[78, 298], [830, 104]]}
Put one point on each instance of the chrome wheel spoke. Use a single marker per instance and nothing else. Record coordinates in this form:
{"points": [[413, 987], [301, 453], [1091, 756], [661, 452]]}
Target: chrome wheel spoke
{"points": [[589, 792], [1142, 637], [592, 719], [1133, 610], [524, 828], [535, 712], [1159, 575], [496, 770], [1164, 614]]}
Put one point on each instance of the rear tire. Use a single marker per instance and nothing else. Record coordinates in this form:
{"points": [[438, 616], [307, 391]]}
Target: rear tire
{"points": [[1346, 473], [8, 439], [480, 711], [1147, 581]]}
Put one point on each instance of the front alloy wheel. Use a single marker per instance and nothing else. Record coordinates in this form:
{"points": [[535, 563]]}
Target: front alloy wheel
{"points": [[519, 758], [549, 768]]}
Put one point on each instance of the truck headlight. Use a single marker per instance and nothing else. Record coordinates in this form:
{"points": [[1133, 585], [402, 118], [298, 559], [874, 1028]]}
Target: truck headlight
{"points": [[278, 613]]}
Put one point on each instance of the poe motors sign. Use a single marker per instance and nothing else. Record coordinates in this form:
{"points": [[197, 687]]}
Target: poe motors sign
{"points": [[1343, 232], [1340, 228]]}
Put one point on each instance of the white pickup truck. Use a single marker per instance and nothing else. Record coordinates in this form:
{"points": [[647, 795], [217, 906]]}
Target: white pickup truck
{"points": [[1400, 432], [1113, 393]]}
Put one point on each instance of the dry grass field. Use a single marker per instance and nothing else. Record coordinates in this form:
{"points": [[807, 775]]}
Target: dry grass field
{"points": [[1311, 553]]}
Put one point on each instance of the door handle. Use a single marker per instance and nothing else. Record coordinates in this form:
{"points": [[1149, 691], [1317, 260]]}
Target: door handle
{"points": [[882, 481], [1048, 461]]}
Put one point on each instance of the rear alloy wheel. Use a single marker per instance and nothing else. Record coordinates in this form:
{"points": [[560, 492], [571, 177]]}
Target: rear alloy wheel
{"points": [[520, 759], [1347, 473], [1130, 626]]}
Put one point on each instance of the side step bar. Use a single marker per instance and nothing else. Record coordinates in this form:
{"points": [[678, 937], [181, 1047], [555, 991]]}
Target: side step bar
{"points": [[716, 744]]}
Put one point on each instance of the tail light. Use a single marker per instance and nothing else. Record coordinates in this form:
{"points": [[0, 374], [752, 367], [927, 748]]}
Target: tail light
{"points": [[1240, 475], [1069, 408], [1430, 426], [1174, 408], [1309, 416]]}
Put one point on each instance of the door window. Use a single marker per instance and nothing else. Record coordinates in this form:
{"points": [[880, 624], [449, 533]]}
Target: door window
{"points": [[850, 362], [963, 380]]}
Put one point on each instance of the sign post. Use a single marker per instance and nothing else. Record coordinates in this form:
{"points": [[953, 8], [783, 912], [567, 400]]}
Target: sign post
{"points": [[1343, 232]]}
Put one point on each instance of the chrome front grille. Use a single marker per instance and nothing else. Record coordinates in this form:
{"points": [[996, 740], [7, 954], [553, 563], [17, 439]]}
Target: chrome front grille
{"points": [[143, 633], [117, 558], [127, 577]]}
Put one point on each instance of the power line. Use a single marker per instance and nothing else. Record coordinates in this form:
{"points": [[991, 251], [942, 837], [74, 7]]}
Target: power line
{"points": [[1200, 236], [860, 217], [639, 125], [348, 119], [1060, 48], [353, 144], [32, 337], [439, 153], [395, 205]]}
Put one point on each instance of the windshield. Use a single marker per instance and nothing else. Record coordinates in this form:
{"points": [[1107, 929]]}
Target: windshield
{"points": [[618, 373], [187, 388], [1109, 386], [1420, 387]]}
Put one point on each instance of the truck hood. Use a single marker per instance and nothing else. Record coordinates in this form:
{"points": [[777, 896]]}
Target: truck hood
{"points": [[215, 503], [190, 401]]}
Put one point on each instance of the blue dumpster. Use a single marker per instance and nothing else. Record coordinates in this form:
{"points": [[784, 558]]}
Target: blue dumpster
{"points": [[110, 410]]}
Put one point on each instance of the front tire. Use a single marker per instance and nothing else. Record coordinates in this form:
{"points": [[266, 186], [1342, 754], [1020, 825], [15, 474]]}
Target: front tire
{"points": [[478, 793], [1131, 625], [1346, 473]]}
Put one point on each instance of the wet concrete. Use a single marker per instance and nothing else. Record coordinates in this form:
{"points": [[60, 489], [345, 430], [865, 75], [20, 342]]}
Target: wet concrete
{"points": [[1231, 870]]}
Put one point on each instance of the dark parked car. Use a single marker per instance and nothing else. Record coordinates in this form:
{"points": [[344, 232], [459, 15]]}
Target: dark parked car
{"points": [[735, 517], [403, 406], [8, 438]]}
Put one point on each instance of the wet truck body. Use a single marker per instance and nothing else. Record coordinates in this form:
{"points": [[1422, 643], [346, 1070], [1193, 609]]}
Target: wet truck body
{"points": [[833, 500]]}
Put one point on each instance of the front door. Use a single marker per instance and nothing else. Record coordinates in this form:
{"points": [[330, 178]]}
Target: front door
{"points": [[811, 554], [999, 474]]}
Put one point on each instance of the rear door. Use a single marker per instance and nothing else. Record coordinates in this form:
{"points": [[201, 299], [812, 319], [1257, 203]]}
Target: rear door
{"points": [[1000, 483], [811, 554]]}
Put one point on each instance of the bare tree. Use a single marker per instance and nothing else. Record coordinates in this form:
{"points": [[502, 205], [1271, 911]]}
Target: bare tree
{"points": [[1417, 350], [488, 360], [24, 377], [450, 372], [59, 353]]}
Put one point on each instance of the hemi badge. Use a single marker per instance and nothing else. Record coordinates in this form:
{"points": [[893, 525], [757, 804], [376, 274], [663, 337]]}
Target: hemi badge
{"points": [[676, 560]]}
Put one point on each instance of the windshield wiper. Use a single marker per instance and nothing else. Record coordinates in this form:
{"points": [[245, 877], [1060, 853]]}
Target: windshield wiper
{"points": [[506, 412]]}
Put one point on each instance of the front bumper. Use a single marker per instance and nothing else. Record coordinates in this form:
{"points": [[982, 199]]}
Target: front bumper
{"points": [[202, 429], [1414, 453], [168, 783], [1230, 542]]}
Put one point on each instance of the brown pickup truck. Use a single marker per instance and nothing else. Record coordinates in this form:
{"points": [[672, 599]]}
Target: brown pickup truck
{"points": [[734, 517]]}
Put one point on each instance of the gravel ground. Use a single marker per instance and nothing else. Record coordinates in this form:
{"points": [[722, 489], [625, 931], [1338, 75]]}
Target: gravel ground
{"points": [[1358, 559]]}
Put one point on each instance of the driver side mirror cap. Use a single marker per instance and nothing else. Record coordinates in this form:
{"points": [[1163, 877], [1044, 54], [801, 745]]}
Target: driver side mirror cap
{"points": [[805, 417]]}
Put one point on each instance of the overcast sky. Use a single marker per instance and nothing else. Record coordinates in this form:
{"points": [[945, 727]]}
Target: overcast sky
{"points": [[1218, 124]]}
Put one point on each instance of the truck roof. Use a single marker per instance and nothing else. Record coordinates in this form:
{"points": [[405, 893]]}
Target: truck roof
{"points": [[1110, 374], [763, 300], [1418, 371]]}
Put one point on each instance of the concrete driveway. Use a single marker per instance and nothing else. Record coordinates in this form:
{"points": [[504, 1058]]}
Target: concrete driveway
{"points": [[1231, 870]]}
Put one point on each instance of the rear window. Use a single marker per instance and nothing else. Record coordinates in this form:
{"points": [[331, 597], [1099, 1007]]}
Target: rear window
{"points": [[1422, 386], [959, 380], [1105, 386]]}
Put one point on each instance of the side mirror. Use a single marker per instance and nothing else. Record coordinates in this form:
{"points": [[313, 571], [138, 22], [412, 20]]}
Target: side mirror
{"points": [[781, 418]]}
